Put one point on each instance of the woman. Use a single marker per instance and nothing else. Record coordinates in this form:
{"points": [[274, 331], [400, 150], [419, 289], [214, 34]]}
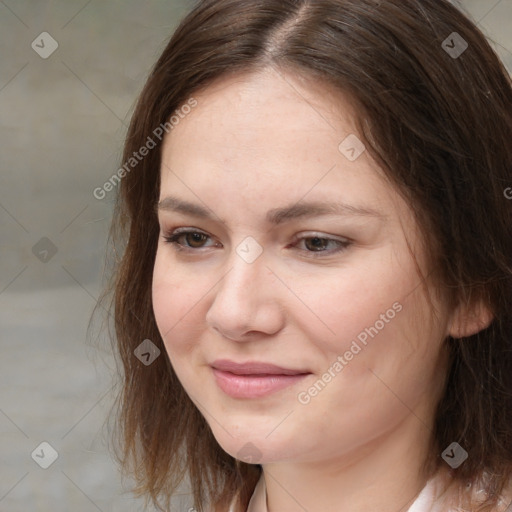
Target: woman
{"points": [[313, 308]]}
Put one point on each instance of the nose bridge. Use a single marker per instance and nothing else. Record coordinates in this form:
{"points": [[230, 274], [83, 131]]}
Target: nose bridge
{"points": [[243, 300], [247, 267]]}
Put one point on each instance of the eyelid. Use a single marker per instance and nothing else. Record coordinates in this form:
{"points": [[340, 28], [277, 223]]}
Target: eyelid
{"points": [[319, 234]]}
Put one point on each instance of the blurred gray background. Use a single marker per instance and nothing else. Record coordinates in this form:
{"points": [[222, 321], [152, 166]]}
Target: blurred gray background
{"points": [[63, 119]]}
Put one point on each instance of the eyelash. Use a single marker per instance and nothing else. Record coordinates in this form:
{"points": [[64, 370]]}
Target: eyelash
{"points": [[174, 236]]}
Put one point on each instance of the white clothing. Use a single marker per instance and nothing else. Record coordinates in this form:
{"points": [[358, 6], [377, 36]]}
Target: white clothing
{"points": [[427, 501]]}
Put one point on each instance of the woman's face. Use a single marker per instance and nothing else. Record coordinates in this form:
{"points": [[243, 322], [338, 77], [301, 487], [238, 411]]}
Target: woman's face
{"points": [[269, 278]]}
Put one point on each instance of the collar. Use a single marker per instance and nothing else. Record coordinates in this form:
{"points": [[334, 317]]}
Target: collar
{"points": [[426, 501]]}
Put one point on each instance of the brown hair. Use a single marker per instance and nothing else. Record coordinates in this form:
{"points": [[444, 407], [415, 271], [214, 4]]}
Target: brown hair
{"points": [[440, 126]]}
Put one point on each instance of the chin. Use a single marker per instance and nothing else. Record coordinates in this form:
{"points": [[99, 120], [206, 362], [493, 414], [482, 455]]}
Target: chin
{"points": [[251, 448]]}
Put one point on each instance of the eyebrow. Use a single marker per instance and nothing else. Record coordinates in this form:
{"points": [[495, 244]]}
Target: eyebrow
{"points": [[276, 215]]}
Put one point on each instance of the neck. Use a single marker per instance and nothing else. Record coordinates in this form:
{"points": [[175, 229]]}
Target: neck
{"points": [[386, 474]]}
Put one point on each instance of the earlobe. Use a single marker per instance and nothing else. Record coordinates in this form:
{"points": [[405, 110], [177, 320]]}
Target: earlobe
{"points": [[467, 320]]}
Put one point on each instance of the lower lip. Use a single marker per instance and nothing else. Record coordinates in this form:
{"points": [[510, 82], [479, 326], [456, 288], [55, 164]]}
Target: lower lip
{"points": [[253, 386]]}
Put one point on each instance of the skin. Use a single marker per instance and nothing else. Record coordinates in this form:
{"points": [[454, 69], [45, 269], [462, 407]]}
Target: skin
{"points": [[261, 141]]}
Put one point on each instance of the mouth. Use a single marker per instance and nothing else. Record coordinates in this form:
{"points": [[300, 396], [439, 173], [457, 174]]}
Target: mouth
{"points": [[254, 379], [254, 368]]}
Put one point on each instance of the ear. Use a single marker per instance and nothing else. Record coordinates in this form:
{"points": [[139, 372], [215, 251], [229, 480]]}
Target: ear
{"points": [[467, 320]]}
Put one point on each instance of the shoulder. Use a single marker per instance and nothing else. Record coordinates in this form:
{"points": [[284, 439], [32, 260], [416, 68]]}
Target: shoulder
{"points": [[445, 494], [478, 492]]}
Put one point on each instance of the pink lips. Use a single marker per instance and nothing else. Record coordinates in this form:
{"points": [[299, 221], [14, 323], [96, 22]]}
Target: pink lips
{"points": [[253, 379]]}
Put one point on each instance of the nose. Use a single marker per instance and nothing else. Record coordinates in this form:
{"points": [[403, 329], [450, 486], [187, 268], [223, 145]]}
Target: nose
{"points": [[247, 301]]}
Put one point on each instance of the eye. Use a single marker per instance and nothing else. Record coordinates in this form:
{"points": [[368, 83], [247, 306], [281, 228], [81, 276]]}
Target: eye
{"points": [[316, 246], [193, 237]]}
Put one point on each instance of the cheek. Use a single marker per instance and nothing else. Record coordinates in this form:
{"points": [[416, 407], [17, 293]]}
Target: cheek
{"points": [[352, 305], [163, 296], [176, 310], [388, 364], [175, 305], [376, 320]]}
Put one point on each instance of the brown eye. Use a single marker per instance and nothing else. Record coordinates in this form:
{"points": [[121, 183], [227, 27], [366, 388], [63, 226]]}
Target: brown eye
{"points": [[318, 246], [316, 243], [193, 239]]}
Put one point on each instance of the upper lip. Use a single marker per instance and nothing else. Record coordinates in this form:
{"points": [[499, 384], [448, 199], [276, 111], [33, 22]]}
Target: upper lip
{"points": [[253, 368]]}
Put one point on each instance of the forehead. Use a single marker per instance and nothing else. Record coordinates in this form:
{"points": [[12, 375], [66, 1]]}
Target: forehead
{"points": [[270, 138], [262, 120], [254, 107]]}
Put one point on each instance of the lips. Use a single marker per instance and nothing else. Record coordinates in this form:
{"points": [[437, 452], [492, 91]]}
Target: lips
{"points": [[254, 379], [255, 368]]}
